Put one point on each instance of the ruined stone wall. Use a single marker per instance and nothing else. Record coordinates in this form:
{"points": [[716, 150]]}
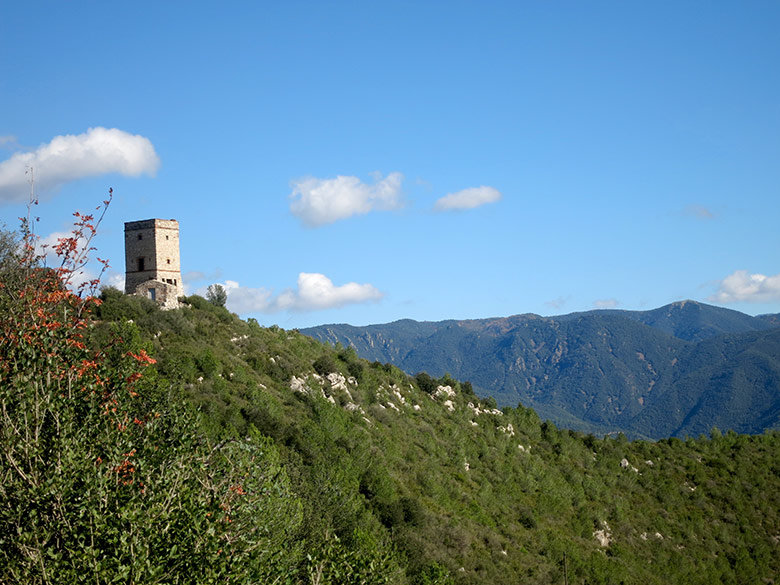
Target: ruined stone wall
{"points": [[152, 254], [164, 294]]}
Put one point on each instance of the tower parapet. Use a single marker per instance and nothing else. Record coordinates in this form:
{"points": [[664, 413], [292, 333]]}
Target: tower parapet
{"points": [[152, 265]]}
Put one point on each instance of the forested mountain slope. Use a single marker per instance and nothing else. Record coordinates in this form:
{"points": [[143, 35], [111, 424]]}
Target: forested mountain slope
{"points": [[600, 371]]}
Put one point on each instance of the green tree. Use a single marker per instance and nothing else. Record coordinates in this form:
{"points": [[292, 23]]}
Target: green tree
{"points": [[216, 295]]}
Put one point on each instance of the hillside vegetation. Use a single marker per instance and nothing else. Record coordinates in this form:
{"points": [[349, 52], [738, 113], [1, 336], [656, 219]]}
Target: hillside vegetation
{"points": [[189, 446], [417, 480], [674, 371]]}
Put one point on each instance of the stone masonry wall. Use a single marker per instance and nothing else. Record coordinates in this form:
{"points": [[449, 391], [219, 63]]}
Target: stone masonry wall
{"points": [[152, 253]]}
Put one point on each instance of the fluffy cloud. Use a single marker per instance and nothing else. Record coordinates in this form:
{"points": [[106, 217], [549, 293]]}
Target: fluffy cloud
{"points": [[320, 201], [68, 158], [243, 299], [606, 303], [467, 199], [315, 292], [743, 286]]}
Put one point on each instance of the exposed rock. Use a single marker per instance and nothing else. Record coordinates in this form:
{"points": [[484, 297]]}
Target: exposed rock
{"points": [[604, 535], [624, 464], [337, 381], [444, 390], [298, 384], [508, 430]]}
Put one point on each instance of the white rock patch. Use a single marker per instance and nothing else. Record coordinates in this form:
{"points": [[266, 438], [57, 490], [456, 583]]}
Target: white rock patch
{"points": [[337, 381], [444, 390], [298, 384], [508, 430], [604, 535], [624, 464]]}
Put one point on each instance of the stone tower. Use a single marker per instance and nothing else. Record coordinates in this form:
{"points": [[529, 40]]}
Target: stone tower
{"points": [[152, 267]]}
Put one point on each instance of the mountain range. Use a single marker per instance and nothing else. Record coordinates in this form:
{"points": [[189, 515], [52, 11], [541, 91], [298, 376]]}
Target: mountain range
{"points": [[677, 370]]}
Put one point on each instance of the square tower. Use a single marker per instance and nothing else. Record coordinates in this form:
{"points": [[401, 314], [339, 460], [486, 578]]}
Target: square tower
{"points": [[152, 266]]}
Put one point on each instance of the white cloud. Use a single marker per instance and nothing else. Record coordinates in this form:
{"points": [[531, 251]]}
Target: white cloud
{"points": [[69, 158], [243, 299], [606, 303], [743, 286], [468, 198], [115, 279], [320, 201], [315, 292]]}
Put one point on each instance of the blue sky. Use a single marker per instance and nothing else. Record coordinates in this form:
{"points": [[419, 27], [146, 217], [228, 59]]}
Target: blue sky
{"points": [[363, 162]]}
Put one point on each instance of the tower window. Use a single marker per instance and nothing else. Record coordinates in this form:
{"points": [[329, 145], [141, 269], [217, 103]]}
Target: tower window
{"points": [[166, 237], [140, 236], [140, 265], [168, 260]]}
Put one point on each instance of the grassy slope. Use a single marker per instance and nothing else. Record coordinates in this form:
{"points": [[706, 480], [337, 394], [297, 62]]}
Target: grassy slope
{"points": [[452, 489]]}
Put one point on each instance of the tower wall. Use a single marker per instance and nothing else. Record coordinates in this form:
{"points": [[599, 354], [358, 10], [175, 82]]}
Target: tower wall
{"points": [[152, 254]]}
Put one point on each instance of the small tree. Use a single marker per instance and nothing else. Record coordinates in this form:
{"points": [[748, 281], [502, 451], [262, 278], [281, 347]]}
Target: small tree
{"points": [[216, 295]]}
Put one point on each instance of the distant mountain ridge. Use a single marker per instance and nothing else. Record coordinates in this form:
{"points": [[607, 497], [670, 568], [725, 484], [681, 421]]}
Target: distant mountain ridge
{"points": [[676, 370]]}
